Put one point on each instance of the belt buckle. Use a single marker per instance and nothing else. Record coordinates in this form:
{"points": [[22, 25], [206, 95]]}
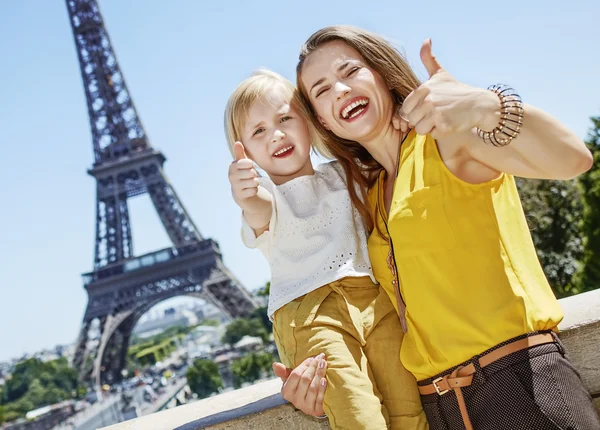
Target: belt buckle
{"points": [[437, 388]]}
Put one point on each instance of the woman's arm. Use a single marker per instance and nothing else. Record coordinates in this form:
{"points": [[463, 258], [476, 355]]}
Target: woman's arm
{"points": [[544, 149], [450, 111]]}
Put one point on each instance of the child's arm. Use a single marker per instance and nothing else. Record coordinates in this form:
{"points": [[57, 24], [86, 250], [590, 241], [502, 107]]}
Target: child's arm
{"points": [[255, 201]]}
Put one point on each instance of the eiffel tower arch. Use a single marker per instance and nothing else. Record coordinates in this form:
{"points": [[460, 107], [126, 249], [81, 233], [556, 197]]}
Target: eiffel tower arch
{"points": [[122, 285]]}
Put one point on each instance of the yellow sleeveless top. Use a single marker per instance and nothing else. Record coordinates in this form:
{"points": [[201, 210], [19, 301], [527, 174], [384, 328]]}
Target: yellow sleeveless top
{"points": [[469, 274]]}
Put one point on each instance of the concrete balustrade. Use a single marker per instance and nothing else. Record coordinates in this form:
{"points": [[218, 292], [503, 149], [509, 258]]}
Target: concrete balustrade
{"points": [[261, 406]]}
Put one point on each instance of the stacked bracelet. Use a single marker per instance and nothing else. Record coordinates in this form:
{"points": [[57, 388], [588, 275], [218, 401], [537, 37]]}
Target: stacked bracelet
{"points": [[511, 117]]}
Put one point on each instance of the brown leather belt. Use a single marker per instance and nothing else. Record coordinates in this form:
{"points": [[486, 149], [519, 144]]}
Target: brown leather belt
{"points": [[463, 376]]}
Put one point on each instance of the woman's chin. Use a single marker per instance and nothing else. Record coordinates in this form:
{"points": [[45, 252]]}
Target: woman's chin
{"points": [[358, 134], [360, 129]]}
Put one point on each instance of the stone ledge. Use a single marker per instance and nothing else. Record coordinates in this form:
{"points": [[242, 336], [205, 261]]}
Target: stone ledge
{"points": [[580, 334], [261, 406]]}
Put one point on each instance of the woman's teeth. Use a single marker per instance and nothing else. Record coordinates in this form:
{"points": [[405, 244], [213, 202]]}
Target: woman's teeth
{"points": [[354, 105]]}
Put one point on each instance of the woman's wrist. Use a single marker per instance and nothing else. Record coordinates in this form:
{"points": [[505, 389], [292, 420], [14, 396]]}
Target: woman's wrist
{"points": [[511, 117], [490, 108]]}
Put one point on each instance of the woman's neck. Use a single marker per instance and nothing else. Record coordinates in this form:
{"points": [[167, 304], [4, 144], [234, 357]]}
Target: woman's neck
{"points": [[385, 147]]}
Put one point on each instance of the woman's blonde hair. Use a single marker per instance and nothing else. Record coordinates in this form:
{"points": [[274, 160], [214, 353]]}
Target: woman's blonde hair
{"points": [[256, 88], [360, 167]]}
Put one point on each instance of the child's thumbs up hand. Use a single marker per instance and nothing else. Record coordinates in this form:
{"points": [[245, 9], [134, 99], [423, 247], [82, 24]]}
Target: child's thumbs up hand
{"points": [[242, 176], [239, 151]]}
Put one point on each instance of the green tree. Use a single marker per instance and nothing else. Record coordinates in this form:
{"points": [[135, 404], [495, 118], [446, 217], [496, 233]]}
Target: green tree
{"points": [[554, 210], [264, 291], [203, 378], [35, 394], [208, 322], [11, 415], [589, 276], [34, 383], [261, 315], [261, 312], [2, 404], [21, 377], [251, 367], [53, 395], [241, 327]]}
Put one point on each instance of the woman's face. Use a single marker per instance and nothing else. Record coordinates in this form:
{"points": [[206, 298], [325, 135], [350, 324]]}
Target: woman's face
{"points": [[350, 99]]}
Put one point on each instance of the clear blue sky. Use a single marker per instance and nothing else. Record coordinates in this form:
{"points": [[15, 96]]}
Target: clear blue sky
{"points": [[181, 59]]}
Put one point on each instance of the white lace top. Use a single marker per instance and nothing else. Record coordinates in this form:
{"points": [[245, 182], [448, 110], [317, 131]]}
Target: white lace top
{"points": [[315, 235]]}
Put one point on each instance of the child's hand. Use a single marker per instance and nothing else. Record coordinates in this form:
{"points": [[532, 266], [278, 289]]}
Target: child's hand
{"points": [[242, 176], [255, 201]]}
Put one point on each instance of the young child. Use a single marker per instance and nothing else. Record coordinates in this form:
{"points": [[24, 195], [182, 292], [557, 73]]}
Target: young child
{"points": [[323, 296]]}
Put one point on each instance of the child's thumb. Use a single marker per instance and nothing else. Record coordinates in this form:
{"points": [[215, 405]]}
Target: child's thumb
{"points": [[238, 151]]}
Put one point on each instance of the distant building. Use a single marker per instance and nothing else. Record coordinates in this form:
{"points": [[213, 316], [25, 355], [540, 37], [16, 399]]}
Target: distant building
{"points": [[249, 343], [170, 319]]}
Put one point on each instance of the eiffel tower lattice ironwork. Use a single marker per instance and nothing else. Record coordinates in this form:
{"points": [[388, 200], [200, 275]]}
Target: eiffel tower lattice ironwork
{"points": [[122, 286]]}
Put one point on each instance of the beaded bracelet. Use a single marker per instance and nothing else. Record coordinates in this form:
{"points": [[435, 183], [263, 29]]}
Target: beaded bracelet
{"points": [[511, 117]]}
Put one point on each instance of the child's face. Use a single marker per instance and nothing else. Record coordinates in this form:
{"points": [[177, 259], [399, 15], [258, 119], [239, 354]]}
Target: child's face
{"points": [[276, 138]]}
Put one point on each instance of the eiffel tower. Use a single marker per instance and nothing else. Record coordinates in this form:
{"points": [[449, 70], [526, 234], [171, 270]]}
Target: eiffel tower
{"points": [[123, 286]]}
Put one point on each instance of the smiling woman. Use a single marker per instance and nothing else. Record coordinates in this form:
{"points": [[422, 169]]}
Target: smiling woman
{"points": [[328, 85], [449, 241]]}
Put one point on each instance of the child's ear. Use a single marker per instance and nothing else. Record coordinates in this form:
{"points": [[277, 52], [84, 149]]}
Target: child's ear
{"points": [[322, 121]]}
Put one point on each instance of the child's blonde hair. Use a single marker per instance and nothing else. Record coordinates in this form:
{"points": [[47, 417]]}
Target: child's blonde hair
{"points": [[251, 90]]}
